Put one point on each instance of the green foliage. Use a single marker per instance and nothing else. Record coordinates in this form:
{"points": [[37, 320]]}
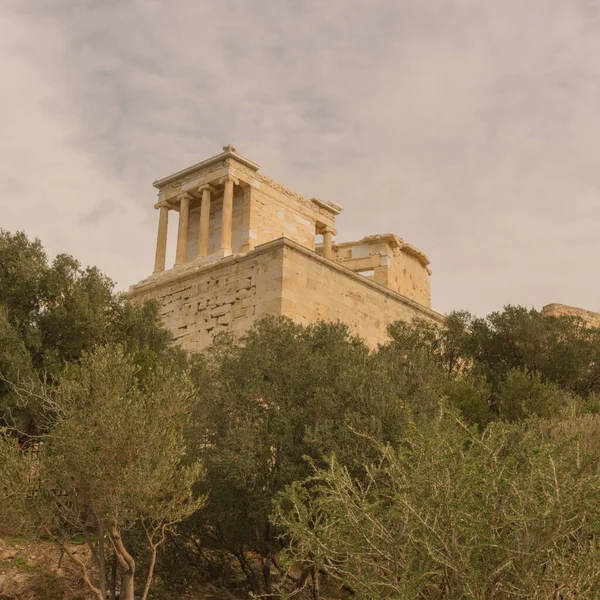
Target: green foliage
{"points": [[287, 396], [50, 313], [471, 395], [455, 513], [464, 455], [15, 361], [283, 393], [15, 480], [561, 349], [119, 442], [114, 454], [522, 395], [23, 268], [510, 365]]}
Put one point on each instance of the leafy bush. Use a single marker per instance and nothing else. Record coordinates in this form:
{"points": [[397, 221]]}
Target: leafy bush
{"points": [[455, 513]]}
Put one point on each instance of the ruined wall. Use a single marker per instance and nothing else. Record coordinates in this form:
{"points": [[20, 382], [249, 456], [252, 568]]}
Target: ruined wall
{"points": [[408, 276], [280, 277], [592, 319], [226, 295], [387, 260], [315, 288]]}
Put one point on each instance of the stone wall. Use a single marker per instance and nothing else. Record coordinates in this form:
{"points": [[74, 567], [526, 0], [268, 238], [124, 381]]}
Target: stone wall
{"points": [[387, 260], [410, 277], [278, 278], [592, 319], [274, 215], [197, 302], [316, 288]]}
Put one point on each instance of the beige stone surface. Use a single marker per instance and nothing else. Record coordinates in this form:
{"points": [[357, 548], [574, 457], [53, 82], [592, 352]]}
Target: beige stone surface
{"points": [[592, 319], [388, 260], [316, 288], [277, 278], [252, 251], [262, 209], [204, 298]]}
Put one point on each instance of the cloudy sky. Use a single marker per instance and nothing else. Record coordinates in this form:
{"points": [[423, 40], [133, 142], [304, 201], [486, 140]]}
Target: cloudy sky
{"points": [[471, 128]]}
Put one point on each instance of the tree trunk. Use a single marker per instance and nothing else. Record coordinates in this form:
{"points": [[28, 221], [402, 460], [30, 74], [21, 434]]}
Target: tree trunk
{"points": [[316, 587], [127, 585], [113, 578], [86, 578], [266, 560], [150, 573], [126, 561], [101, 558]]}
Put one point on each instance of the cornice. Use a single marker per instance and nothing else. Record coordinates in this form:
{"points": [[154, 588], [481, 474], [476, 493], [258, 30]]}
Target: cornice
{"points": [[336, 209], [203, 166]]}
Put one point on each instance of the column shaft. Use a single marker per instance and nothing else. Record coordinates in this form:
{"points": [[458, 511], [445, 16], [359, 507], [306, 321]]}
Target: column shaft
{"points": [[182, 233], [227, 215], [161, 239], [204, 222], [327, 244]]}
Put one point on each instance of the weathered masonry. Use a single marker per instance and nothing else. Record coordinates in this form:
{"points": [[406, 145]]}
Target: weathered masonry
{"points": [[591, 319], [249, 247]]}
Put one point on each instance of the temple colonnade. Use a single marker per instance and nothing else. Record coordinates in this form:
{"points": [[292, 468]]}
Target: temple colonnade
{"points": [[184, 200], [206, 192]]}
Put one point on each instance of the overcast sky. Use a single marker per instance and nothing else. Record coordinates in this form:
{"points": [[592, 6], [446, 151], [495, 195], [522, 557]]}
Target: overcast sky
{"points": [[471, 128]]}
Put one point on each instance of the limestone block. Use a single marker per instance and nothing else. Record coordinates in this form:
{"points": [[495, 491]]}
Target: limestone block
{"points": [[219, 329], [238, 312], [225, 319], [220, 310], [210, 323], [229, 295]]}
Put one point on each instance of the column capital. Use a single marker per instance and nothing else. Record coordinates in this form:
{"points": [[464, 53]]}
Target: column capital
{"points": [[163, 204], [327, 243], [184, 196], [229, 177], [206, 186], [322, 229]]}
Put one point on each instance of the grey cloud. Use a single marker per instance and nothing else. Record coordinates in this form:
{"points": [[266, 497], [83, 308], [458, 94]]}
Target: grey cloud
{"points": [[104, 210], [468, 127]]}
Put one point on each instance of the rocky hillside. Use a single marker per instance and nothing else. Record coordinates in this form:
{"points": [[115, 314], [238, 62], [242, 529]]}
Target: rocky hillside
{"points": [[33, 570]]}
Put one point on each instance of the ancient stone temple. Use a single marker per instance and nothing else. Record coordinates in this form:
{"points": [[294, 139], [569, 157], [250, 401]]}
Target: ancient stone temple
{"points": [[249, 247]]}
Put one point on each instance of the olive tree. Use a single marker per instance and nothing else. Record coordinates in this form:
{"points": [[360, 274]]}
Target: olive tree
{"points": [[267, 401], [453, 512], [53, 311], [113, 455]]}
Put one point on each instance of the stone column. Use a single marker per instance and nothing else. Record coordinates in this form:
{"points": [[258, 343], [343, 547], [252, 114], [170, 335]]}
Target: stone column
{"points": [[161, 239], [248, 234], [182, 233], [204, 220], [327, 243], [226, 225]]}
